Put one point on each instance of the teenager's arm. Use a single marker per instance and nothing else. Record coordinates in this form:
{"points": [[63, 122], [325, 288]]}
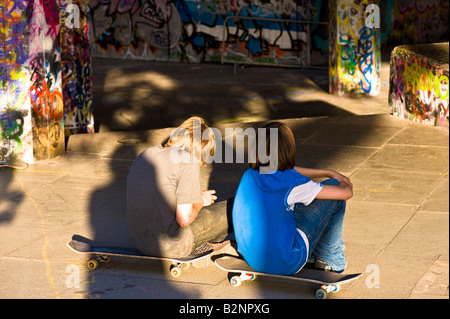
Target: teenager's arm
{"points": [[322, 173], [343, 191], [186, 213]]}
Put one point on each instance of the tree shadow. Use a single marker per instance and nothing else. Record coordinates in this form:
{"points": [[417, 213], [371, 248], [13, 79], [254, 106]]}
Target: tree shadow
{"points": [[142, 95]]}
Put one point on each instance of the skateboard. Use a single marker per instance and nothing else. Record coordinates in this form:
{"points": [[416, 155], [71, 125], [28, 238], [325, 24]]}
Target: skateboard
{"points": [[102, 254], [15, 163], [241, 271]]}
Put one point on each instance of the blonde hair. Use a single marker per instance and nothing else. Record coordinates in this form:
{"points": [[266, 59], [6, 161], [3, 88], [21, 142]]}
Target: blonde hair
{"points": [[194, 136]]}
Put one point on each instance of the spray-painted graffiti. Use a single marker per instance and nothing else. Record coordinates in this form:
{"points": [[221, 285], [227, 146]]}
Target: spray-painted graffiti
{"points": [[194, 30], [277, 42], [45, 84], [76, 68], [414, 22], [419, 85], [355, 57], [132, 27], [366, 59], [15, 118], [46, 103]]}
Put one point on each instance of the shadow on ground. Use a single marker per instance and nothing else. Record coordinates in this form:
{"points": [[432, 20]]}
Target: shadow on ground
{"points": [[144, 96]]}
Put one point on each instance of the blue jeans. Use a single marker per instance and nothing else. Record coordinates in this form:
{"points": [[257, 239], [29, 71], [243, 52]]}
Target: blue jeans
{"points": [[323, 222]]}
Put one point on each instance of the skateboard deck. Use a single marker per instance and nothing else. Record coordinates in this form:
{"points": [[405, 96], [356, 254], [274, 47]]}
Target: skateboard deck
{"points": [[15, 163], [102, 254], [328, 281]]}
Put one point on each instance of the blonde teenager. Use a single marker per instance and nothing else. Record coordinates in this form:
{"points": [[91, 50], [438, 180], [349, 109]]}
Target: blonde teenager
{"points": [[168, 212]]}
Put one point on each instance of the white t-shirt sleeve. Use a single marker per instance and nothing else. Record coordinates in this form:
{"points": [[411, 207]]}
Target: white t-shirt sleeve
{"points": [[304, 193]]}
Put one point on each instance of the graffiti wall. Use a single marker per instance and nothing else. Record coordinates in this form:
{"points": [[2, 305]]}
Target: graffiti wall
{"points": [[355, 54], [413, 22], [202, 30], [419, 83], [44, 79]]}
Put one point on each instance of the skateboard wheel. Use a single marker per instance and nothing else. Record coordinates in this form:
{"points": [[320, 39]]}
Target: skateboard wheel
{"points": [[92, 264], [253, 277], [175, 271], [236, 281], [103, 259], [321, 294], [336, 288]]}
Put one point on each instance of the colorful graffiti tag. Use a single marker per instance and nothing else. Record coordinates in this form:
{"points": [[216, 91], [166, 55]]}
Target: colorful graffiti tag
{"points": [[355, 56], [198, 31], [131, 28], [414, 22], [15, 116], [45, 86], [419, 83], [271, 33]]}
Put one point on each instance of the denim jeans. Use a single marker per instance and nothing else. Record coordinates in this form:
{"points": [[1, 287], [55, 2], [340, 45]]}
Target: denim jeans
{"points": [[323, 222], [213, 223]]}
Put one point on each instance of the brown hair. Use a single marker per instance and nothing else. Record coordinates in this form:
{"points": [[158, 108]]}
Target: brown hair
{"points": [[285, 149], [195, 136]]}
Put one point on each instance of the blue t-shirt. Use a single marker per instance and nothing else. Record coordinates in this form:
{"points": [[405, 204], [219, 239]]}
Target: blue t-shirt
{"points": [[264, 224]]}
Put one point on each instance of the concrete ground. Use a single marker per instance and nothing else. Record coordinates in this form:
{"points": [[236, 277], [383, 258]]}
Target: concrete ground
{"points": [[396, 227]]}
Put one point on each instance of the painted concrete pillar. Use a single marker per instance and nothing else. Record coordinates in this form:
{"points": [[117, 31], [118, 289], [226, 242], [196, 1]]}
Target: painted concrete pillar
{"points": [[76, 66], [39, 87], [16, 136], [354, 48], [45, 81]]}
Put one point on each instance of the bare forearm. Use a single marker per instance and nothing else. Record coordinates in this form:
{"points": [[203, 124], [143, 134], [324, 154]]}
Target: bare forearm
{"points": [[315, 173], [186, 213], [343, 191], [323, 173], [196, 207]]}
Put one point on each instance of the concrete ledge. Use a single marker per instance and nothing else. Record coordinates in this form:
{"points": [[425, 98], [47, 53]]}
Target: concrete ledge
{"points": [[419, 83]]}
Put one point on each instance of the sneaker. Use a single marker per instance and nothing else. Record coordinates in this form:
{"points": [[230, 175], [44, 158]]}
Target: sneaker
{"points": [[203, 248], [211, 246], [322, 265]]}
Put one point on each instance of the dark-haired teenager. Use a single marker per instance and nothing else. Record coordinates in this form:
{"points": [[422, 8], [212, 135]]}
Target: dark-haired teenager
{"points": [[281, 217]]}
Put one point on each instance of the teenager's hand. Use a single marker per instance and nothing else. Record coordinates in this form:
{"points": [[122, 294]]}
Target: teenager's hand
{"points": [[341, 178], [208, 197]]}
